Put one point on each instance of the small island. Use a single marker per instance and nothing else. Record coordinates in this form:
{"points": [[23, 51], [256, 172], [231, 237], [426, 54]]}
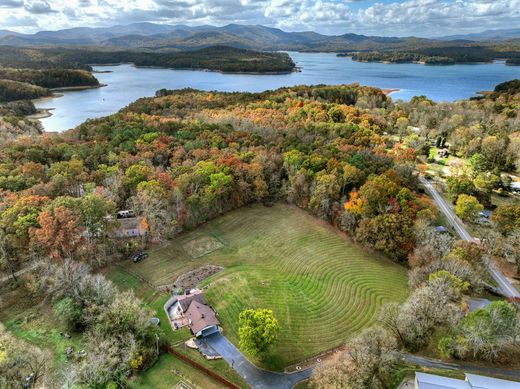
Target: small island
{"points": [[428, 55]]}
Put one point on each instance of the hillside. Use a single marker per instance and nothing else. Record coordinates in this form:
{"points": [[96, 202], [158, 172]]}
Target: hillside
{"points": [[218, 58], [15, 90]]}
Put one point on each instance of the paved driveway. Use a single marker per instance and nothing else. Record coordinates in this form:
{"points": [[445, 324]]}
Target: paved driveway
{"points": [[254, 376]]}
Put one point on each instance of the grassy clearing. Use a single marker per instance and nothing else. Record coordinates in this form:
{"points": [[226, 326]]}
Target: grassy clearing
{"points": [[322, 288], [35, 323], [169, 371]]}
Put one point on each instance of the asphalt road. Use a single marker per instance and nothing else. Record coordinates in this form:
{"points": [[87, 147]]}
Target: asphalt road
{"points": [[254, 376], [505, 286], [462, 366]]}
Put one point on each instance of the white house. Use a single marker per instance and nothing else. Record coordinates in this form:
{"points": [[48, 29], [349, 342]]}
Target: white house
{"points": [[472, 381]]}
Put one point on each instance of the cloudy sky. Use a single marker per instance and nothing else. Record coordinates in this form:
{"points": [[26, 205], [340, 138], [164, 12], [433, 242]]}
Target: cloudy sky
{"points": [[375, 17]]}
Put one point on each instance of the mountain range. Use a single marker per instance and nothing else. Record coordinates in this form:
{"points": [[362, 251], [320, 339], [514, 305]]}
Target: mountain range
{"points": [[181, 37], [488, 35]]}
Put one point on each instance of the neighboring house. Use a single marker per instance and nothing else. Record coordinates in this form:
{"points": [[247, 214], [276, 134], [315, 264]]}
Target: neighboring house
{"points": [[486, 213], [472, 381], [130, 227], [475, 303], [441, 229], [191, 310]]}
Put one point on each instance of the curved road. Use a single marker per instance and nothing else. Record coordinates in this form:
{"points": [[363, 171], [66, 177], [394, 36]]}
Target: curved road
{"points": [[462, 366], [254, 376], [505, 286]]}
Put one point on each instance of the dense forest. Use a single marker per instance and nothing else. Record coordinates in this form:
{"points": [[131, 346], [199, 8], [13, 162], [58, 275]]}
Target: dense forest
{"points": [[347, 154], [50, 78], [219, 58], [15, 90], [436, 55]]}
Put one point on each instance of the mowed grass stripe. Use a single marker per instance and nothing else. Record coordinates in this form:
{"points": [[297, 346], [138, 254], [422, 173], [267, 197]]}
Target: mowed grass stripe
{"points": [[322, 288]]}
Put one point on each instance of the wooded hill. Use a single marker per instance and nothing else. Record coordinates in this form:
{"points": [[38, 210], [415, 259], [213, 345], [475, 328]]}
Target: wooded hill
{"points": [[438, 55], [218, 58]]}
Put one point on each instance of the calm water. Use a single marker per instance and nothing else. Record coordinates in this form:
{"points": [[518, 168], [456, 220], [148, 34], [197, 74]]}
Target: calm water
{"points": [[125, 83]]}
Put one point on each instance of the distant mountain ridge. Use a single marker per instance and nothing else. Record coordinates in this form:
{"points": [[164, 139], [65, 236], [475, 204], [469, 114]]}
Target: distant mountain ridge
{"points": [[181, 37], [488, 35]]}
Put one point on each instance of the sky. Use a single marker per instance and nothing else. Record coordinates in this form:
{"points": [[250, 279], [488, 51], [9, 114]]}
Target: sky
{"points": [[425, 18]]}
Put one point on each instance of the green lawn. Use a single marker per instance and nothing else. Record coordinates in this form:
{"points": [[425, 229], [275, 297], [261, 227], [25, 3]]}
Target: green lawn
{"points": [[36, 323], [169, 371], [322, 288]]}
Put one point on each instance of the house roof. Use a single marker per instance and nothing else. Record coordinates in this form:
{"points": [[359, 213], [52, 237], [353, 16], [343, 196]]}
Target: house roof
{"points": [[130, 223], [430, 381], [186, 299], [441, 229], [481, 382], [486, 213], [200, 316], [472, 381]]}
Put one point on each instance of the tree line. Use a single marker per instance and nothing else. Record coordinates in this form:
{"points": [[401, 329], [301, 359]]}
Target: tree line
{"points": [[218, 58]]}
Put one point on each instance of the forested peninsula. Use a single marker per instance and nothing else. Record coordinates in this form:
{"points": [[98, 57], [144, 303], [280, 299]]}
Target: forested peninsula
{"points": [[433, 55], [217, 58]]}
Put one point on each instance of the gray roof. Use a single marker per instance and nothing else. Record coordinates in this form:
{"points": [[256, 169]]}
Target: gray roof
{"points": [[481, 382], [472, 381], [185, 300], [486, 213], [475, 303], [430, 381]]}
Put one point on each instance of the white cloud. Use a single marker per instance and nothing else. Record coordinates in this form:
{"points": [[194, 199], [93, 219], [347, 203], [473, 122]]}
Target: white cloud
{"points": [[410, 17]]}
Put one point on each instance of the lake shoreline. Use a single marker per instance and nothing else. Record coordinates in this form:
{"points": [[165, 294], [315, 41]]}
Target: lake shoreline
{"points": [[296, 69], [76, 88], [127, 83]]}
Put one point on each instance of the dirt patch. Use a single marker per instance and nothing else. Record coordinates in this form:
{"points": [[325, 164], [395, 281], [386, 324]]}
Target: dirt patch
{"points": [[198, 247], [328, 357], [191, 279]]}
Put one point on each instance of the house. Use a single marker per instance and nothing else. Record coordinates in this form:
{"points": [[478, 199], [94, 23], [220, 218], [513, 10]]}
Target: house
{"points": [[130, 227], [475, 303], [471, 381], [441, 229], [202, 319], [486, 213], [191, 309]]}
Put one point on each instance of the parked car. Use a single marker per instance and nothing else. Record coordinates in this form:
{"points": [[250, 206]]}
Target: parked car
{"points": [[139, 256], [124, 214]]}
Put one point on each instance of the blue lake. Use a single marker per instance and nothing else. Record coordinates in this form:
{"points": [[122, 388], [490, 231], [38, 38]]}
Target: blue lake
{"points": [[126, 83]]}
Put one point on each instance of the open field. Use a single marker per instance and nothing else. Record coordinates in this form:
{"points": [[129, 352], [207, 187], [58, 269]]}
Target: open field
{"points": [[322, 288], [169, 372]]}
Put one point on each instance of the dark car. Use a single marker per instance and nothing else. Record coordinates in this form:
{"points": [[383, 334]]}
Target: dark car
{"points": [[139, 256]]}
